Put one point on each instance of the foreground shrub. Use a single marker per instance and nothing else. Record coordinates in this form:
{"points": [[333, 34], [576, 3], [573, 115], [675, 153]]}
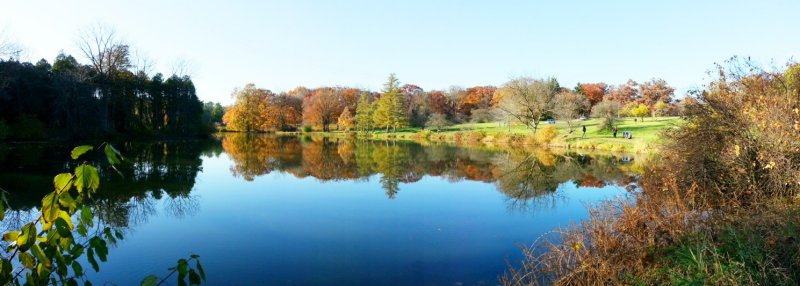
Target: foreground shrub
{"points": [[458, 136], [718, 208], [546, 134], [422, 135], [475, 136]]}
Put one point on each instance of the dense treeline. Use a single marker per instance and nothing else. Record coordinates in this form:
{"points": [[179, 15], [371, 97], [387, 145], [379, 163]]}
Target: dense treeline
{"points": [[523, 100], [107, 96]]}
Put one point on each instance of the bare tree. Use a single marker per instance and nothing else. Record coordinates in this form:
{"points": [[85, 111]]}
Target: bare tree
{"points": [[568, 106], [8, 47], [527, 100], [181, 67], [101, 46], [141, 63]]}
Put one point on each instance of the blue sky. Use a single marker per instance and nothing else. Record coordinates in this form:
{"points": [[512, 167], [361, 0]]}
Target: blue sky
{"points": [[279, 45]]}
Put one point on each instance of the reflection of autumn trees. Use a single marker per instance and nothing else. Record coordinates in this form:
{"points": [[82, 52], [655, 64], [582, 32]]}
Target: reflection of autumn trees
{"points": [[519, 174], [255, 155]]}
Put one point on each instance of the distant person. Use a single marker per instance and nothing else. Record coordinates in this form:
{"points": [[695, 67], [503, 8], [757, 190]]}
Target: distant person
{"points": [[630, 136], [584, 130], [615, 132]]}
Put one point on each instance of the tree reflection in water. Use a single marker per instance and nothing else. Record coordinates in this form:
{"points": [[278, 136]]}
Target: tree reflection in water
{"points": [[156, 172], [161, 175], [526, 177]]}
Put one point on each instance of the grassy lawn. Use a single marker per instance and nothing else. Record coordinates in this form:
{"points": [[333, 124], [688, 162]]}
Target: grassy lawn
{"points": [[645, 133]]}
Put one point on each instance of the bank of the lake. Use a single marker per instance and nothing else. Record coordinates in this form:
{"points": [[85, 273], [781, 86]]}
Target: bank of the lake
{"points": [[645, 134]]}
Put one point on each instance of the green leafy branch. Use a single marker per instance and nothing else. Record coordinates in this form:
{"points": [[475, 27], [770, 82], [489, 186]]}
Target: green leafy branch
{"points": [[47, 249]]}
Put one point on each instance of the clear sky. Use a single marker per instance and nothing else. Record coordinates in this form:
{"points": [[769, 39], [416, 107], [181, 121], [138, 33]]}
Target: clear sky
{"points": [[279, 45]]}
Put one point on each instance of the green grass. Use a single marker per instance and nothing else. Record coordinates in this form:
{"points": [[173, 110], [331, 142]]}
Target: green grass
{"points": [[645, 133]]}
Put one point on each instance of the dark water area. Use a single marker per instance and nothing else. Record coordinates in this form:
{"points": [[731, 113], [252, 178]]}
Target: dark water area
{"points": [[269, 210]]}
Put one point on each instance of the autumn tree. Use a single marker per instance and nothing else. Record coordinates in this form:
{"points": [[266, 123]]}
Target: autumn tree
{"points": [[623, 93], [364, 112], [527, 100], [390, 108], [594, 92], [568, 106], [416, 104], [282, 112], [322, 107], [438, 102], [654, 91], [640, 111], [258, 109], [627, 108], [479, 97], [661, 108], [346, 119], [245, 113]]}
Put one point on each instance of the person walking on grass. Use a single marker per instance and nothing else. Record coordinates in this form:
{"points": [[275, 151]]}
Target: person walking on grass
{"points": [[584, 130], [615, 132]]}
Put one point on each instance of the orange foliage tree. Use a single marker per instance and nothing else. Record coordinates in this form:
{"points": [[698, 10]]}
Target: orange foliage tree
{"points": [[594, 92], [322, 107], [258, 109], [479, 97], [623, 93]]}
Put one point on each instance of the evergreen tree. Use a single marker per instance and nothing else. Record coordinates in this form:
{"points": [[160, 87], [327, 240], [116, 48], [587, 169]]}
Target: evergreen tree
{"points": [[364, 113], [390, 109]]}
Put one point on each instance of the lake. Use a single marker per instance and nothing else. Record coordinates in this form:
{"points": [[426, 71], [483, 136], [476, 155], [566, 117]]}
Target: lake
{"points": [[282, 210]]}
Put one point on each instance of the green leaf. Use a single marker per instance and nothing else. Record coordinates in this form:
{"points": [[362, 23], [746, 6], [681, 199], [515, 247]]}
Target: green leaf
{"points": [[86, 177], [87, 283], [67, 219], [200, 269], [183, 267], [27, 260], [111, 155], [27, 238], [77, 250], [194, 279], [42, 270], [39, 254], [151, 280], [62, 182], [71, 282], [50, 207], [10, 236], [86, 215], [100, 247], [80, 150], [77, 269], [65, 199], [62, 228], [90, 257], [82, 230]]}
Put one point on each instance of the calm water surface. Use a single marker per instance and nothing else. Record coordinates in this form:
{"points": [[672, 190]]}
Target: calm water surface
{"points": [[267, 210]]}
